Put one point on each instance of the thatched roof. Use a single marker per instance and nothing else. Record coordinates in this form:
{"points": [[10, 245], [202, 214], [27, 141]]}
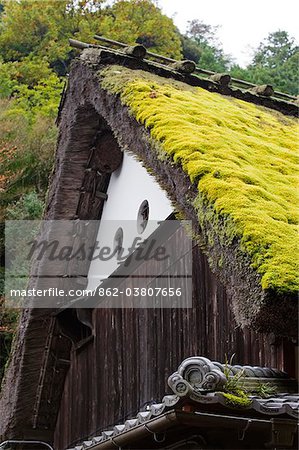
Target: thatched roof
{"points": [[205, 149], [241, 158], [228, 163]]}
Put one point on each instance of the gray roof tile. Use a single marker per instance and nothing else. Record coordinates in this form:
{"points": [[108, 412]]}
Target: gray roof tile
{"points": [[119, 429], [278, 404], [157, 409], [97, 439], [107, 434], [131, 424], [143, 416]]}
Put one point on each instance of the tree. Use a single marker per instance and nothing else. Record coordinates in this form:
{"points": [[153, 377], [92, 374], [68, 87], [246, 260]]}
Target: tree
{"points": [[48, 29], [275, 62], [27, 29], [200, 44], [7, 83], [202, 33], [275, 51], [141, 21]]}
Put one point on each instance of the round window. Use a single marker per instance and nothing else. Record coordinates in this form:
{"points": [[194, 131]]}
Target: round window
{"points": [[142, 216]]}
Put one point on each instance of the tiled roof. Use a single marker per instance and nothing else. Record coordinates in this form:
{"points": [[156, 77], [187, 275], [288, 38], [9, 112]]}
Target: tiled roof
{"points": [[279, 405], [193, 374]]}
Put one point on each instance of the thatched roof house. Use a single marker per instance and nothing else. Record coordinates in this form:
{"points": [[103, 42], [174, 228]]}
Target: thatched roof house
{"points": [[227, 160]]}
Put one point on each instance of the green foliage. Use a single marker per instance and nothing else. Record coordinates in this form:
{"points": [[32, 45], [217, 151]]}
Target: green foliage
{"points": [[141, 21], [27, 161], [33, 84], [29, 29], [30, 70], [191, 49], [275, 51], [265, 390], [213, 58], [242, 157], [49, 28], [239, 72], [41, 100], [235, 394], [236, 400], [29, 207], [234, 383], [200, 45], [275, 62], [7, 83]]}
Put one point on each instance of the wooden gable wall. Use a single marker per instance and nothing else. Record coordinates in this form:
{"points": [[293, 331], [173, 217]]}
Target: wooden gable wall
{"points": [[133, 352]]}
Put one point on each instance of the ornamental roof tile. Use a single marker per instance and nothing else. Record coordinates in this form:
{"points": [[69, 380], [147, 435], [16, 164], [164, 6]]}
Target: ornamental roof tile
{"points": [[194, 373]]}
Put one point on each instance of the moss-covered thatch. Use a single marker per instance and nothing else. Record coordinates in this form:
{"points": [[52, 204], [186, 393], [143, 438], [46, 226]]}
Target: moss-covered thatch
{"points": [[242, 157]]}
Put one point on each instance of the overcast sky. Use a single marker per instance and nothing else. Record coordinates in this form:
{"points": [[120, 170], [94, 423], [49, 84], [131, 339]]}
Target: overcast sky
{"points": [[243, 25]]}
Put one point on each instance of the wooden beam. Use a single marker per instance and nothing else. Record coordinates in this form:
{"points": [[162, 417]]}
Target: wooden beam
{"points": [[264, 89], [81, 45], [138, 51], [222, 78], [164, 60], [184, 66]]}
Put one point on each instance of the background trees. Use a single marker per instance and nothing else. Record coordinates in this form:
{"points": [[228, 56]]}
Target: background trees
{"points": [[27, 29], [35, 56], [141, 21], [276, 62], [201, 45]]}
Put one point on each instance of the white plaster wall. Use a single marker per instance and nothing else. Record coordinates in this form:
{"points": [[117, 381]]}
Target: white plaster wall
{"points": [[128, 188]]}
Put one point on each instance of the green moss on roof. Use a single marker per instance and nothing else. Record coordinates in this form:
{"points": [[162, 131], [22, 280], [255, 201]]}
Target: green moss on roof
{"points": [[242, 157], [237, 401]]}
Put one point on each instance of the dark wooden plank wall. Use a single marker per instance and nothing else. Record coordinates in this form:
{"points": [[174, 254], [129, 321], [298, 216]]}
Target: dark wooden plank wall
{"points": [[135, 350]]}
